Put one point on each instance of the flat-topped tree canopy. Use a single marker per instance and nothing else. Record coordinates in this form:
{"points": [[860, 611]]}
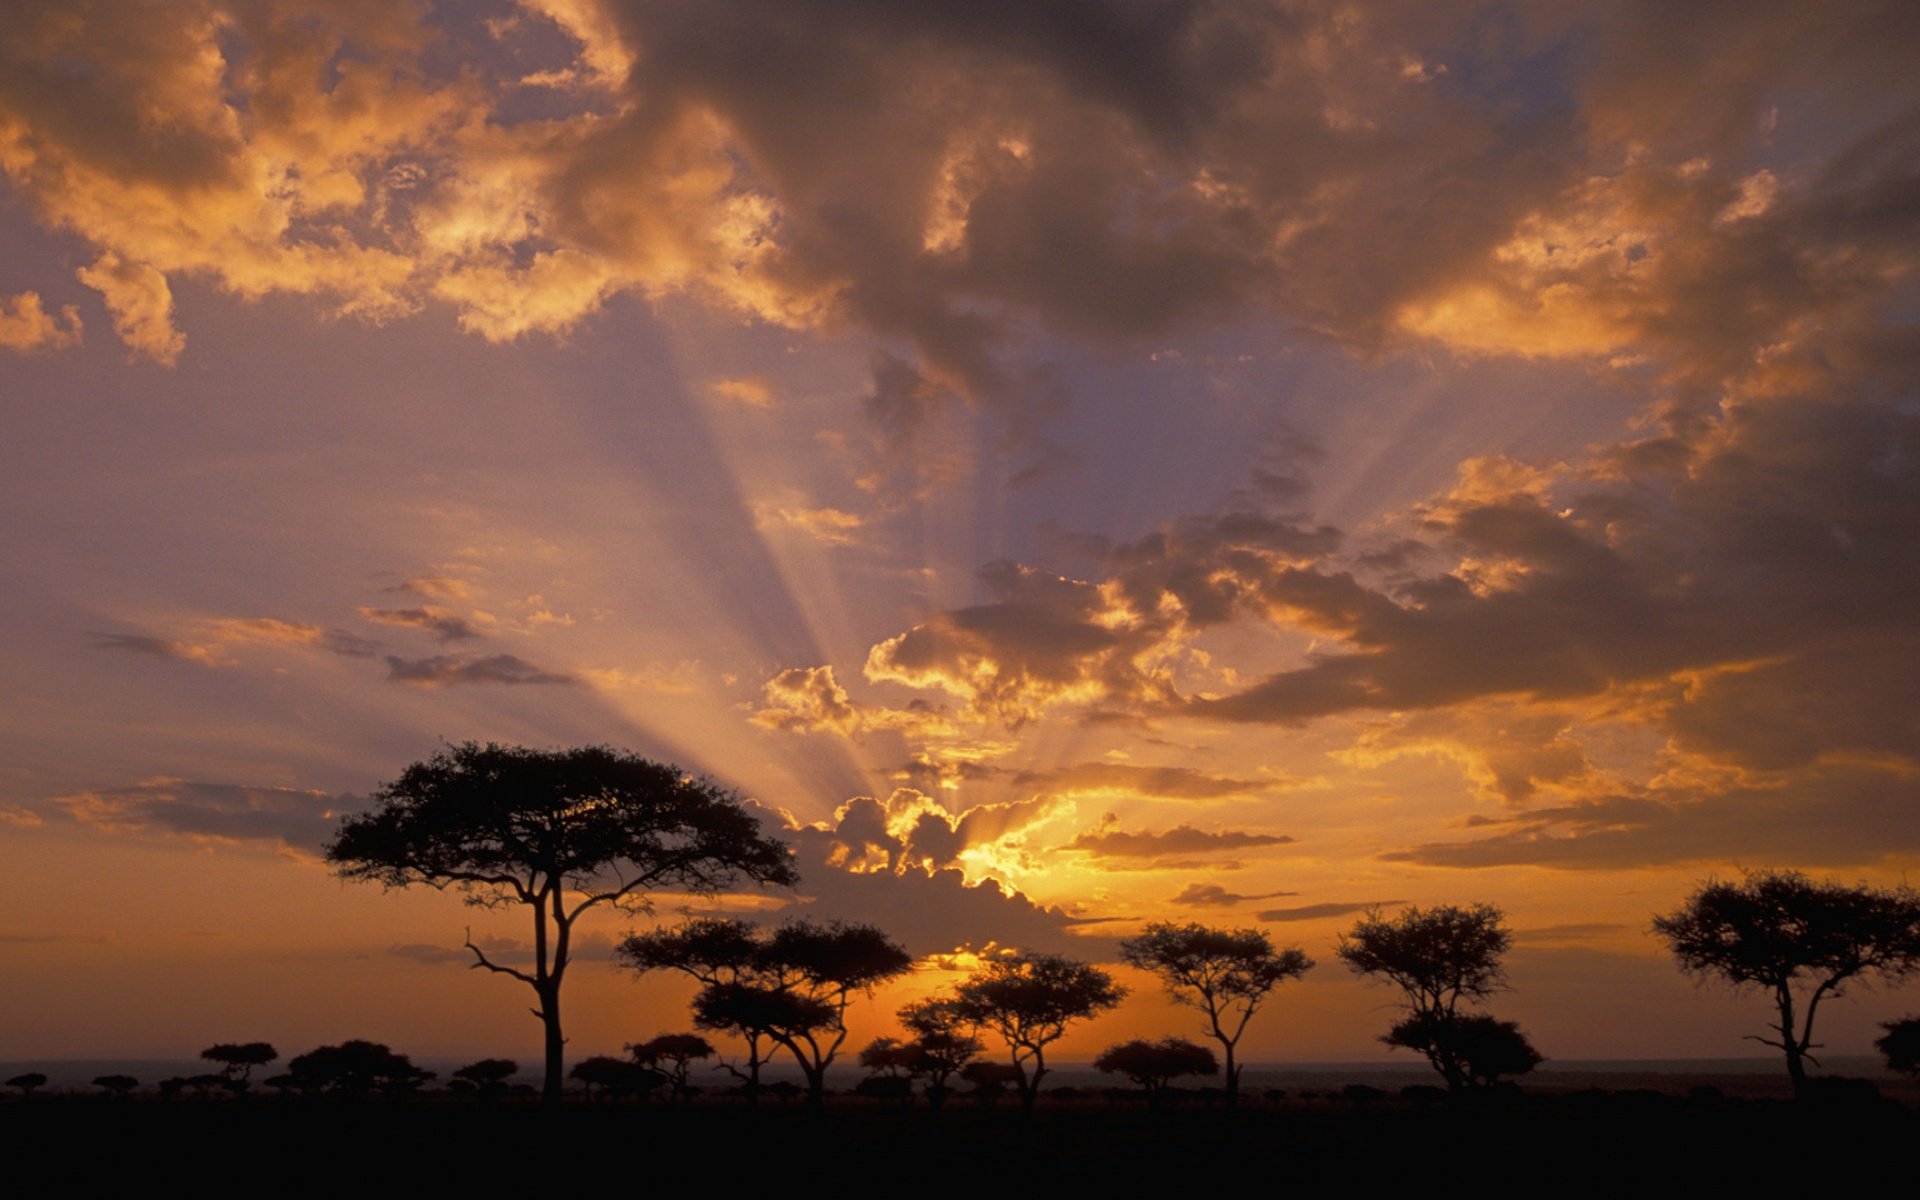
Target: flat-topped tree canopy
{"points": [[559, 831], [791, 985], [508, 823], [1803, 940]]}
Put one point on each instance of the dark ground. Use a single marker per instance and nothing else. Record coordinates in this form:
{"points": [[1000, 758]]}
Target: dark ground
{"points": [[1619, 1139]]}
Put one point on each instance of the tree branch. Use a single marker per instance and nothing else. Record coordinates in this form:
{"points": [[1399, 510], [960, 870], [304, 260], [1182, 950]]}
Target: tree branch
{"points": [[490, 965]]}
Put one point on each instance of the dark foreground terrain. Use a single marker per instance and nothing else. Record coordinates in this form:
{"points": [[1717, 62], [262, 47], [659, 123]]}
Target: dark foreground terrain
{"points": [[321, 1144]]}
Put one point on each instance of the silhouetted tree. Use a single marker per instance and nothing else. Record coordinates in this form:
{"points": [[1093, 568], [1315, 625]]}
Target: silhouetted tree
{"points": [[1226, 974], [1154, 1065], [1483, 1050], [673, 1055], [116, 1086], [238, 1060], [943, 1043], [722, 953], [1029, 1000], [753, 1012], [1901, 1044], [1799, 940], [488, 1076], [615, 1077], [1438, 957], [822, 967], [559, 832], [990, 1080], [355, 1068], [27, 1083], [791, 986], [888, 1058]]}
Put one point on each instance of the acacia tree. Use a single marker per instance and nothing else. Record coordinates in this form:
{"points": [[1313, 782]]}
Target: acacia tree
{"points": [[615, 1077], [238, 1060], [824, 966], [354, 1068], [673, 1055], [1155, 1065], [943, 1044], [488, 1077], [1802, 941], [1226, 974], [791, 987], [1900, 1044], [1029, 1000], [887, 1058], [1438, 957], [559, 832], [720, 953], [1484, 1049]]}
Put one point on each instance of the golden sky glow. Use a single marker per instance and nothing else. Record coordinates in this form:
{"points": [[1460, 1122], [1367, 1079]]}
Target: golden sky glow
{"points": [[1071, 465]]}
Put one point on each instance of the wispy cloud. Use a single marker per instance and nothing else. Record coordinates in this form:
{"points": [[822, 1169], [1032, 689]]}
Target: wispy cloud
{"points": [[296, 819], [443, 623], [444, 670]]}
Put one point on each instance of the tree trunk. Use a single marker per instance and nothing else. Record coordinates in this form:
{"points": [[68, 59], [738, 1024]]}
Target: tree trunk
{"points": [[1797, 1072], [1796, 1051], [1233, 1075], [1030, 1084], [556, 1044]]}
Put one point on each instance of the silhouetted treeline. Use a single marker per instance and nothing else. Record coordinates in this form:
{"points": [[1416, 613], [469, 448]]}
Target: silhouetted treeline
{"points": [[561, 832]]}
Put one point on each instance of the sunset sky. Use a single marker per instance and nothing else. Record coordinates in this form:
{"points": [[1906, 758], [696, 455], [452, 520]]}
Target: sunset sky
{"points": [[1071, 465]]}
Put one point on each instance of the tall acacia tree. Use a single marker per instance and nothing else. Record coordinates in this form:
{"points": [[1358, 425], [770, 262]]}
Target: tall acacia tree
{"points": [[1029, 1000], [1438, 957], [1225, 973], [559, 832], [1801, 941], [821, 967]]}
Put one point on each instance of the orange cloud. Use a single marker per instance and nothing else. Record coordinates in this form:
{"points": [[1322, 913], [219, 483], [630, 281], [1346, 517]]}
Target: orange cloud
{"points": [[27, 328], [141, 304], [830, 525]]}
